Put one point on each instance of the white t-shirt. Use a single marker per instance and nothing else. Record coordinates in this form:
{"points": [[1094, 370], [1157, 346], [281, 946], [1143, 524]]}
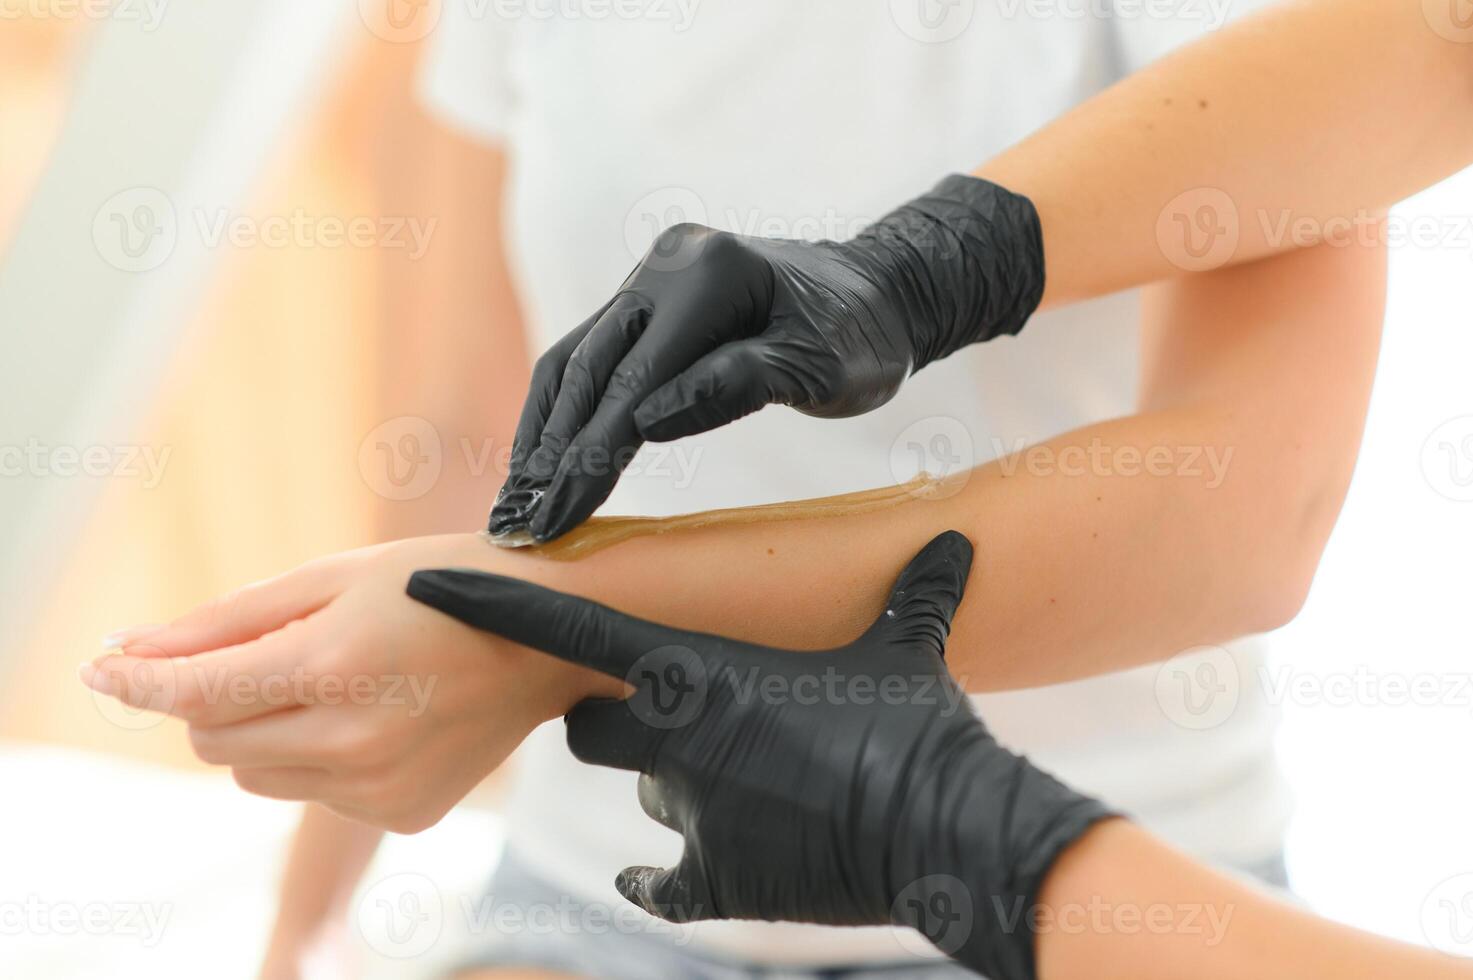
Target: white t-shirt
{"points": [[811, 119]]}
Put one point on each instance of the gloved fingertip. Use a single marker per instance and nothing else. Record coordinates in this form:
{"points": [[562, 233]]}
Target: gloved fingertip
{"points": [[634, 885], [953, 548], [568, 502], [549, 520], [514, 510], [503, 521], [628, 884], [928, 592], [438, 588], [474, 597]]}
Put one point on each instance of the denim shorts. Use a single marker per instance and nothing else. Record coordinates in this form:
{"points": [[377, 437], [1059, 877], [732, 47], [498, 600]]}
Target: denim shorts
{"points": [[611, 953]]}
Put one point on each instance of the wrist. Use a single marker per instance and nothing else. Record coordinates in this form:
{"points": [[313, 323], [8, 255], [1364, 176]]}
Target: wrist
{"points": [[977, 874], [554, 685], [969, 256]]}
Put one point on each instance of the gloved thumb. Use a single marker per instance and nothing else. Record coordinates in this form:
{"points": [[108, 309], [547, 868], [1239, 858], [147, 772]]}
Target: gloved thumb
{"points": [[664, 893], [926, 595]]}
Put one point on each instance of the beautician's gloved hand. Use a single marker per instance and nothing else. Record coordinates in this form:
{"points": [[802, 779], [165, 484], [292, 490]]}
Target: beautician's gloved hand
{"points": [[712, 326], [849, 787]]}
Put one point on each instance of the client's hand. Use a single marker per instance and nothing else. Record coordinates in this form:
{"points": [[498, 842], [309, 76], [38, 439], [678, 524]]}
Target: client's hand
{"points": [[328, 684], [849, 787]]}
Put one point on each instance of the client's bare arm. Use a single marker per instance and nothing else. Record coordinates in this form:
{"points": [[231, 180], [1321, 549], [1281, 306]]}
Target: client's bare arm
{"points": [[1285, 127], [1255, 387], [1075, 574], [1204, 924]]}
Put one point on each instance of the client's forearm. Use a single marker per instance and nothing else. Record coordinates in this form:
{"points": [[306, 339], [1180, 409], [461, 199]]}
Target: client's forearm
{"points": [[1080, 568], [1253, 392], [1120, 904]]}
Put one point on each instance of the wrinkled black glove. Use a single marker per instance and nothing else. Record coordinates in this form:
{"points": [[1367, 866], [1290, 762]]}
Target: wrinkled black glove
{"points": [[849, 787], [712, 326]]}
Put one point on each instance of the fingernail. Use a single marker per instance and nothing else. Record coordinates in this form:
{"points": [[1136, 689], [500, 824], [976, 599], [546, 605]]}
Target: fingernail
{"points": [[121, 638], [96, 679]]}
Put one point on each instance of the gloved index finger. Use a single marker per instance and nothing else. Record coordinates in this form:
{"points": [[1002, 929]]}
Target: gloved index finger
{"points": [[679, 333], [564, 626], [546, 381], [513, 502]]}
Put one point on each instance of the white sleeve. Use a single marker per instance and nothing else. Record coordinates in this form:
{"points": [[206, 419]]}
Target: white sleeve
{"points": [[1146, 30], [464, 79]]}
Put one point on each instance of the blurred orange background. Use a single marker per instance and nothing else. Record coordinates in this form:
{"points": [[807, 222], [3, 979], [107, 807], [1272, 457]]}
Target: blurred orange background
{"points": [[281, 364]]}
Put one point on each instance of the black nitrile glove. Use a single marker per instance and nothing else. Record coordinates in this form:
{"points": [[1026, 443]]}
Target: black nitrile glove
{"points": [[848, 787], [712, 326]]}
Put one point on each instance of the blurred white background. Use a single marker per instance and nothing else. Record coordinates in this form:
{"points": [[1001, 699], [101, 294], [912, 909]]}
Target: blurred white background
{"points": [[1385, 778]]}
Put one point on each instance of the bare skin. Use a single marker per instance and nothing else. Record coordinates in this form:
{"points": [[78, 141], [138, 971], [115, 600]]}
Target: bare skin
{"points": [[1105, 890], [1264, 121]]}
